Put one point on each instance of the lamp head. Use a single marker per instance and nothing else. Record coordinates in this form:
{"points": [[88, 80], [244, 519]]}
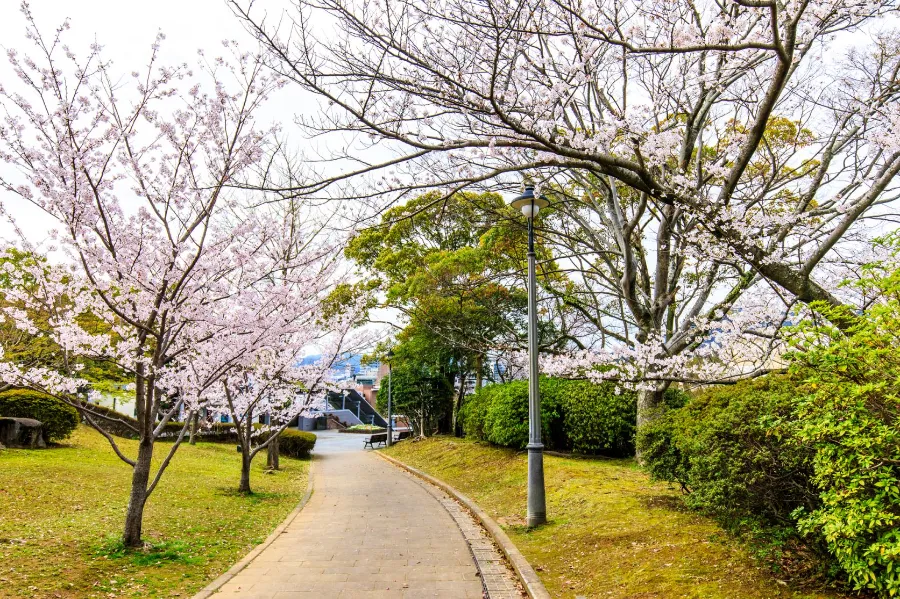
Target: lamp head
{"points": [[390, 355], [529, 203]]}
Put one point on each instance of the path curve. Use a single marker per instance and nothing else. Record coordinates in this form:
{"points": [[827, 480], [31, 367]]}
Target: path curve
{"points": [[368, 531]]}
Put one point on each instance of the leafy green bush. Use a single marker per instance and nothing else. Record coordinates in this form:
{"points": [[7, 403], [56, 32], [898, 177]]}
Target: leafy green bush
{"points": [[575, 415], [733, 452], [506, 416], [294, 443], [598, 419], [851, 416], [473, 413], [59, 418]]}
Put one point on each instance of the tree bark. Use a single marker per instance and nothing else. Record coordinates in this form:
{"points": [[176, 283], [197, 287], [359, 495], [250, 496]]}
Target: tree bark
{"points": [[244, 487], [195, 422], [140, 477], [457, 405], [273, 462]]}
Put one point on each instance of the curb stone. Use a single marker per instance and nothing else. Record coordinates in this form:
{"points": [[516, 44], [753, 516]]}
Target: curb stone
{"points": [[234, 570], [530, 580]]}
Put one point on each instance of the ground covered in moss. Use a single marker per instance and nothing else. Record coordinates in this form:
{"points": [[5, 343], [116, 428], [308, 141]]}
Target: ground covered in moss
{"points": [[612, 532], [62, 510]]}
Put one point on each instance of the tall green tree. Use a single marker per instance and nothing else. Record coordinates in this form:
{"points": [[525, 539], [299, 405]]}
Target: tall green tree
{"points": [[454, 268]]}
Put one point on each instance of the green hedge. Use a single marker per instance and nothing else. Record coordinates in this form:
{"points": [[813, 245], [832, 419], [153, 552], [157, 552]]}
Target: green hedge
{"points": [[735, 453], [575, 415], [59, 418], [293, 443]]}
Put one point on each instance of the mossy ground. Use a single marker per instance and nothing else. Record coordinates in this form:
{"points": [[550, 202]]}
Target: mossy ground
{"points": [[613, 533], [62, 510]]}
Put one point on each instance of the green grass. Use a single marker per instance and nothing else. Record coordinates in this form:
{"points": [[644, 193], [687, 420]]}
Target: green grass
{"points": [[62, 510], [613, 533]]}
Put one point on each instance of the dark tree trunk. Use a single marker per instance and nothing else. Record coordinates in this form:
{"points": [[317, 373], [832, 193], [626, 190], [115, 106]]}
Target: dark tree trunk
{"points": [[140, 477], [274, 454], [457, 406], [244, 487], [195, 423]]}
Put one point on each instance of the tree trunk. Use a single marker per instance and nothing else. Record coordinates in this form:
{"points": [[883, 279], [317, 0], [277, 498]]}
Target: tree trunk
{"points": [[140, 477], [273, 454], [457, 405], [648, 404], [195, 423], [244, 487]]}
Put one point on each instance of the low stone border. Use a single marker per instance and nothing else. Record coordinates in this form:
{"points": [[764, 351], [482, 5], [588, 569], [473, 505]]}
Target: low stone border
{"points": [[234, 570], [533, 585]]}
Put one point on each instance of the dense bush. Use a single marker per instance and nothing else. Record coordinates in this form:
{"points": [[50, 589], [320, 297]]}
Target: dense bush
{"points": [[733, 450], [850, 414], [294, 443], [598, 418], [575, 415], [59, 418], [815, 453]]}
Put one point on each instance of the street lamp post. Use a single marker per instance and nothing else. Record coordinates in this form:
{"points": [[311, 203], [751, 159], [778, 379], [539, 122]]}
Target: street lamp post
{"points": [[529, 204], [390, 423]]}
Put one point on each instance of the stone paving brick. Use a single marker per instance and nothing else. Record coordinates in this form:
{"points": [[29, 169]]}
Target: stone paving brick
{"points": [[371, 531]]}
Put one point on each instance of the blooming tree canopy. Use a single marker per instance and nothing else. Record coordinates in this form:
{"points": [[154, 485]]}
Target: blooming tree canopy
{"points": [[151, 238], [710, 162]]}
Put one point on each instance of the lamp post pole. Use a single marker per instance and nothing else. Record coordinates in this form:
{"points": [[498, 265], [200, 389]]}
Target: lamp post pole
{"points": [[390, 424], [537, 506]]}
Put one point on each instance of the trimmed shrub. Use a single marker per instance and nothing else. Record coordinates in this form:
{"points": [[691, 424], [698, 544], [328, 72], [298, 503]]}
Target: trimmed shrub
{"points": [[598, 419], [575, 415], [734, 452], [294, 443], [474, 412], [506, 418], [59, 418]]}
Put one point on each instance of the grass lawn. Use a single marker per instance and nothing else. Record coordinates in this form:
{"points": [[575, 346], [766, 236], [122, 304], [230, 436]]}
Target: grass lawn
{"points": [[62, 511], [612, 532]]}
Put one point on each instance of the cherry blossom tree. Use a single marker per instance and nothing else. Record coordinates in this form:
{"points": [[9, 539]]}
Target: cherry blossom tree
{"points": [[707, 159], [149, 237]]}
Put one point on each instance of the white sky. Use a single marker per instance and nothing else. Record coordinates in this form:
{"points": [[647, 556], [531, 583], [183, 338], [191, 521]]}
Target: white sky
{"points": [[126, 29]]}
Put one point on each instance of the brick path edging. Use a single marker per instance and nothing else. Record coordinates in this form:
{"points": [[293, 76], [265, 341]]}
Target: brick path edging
{"points": [[234, 570], [533, 585]]}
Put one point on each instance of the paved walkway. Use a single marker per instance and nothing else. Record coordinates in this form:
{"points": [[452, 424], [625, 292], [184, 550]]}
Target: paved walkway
{"points": [[369, 530]]}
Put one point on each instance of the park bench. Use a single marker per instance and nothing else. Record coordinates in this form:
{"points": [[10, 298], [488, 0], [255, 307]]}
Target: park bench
{"points": [[373, 439], [404, 435]]}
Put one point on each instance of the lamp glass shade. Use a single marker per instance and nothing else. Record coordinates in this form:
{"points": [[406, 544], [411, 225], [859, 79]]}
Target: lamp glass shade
{"points": [[529, 203]]}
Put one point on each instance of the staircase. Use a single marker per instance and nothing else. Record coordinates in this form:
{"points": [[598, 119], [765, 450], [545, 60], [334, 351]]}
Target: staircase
{"points": [[357, 404]]}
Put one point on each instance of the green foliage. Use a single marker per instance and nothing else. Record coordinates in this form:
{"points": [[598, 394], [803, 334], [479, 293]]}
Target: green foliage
{"points": [[598, 419], [293, 443], [575, 415], [506, 417], [851, 416], [420, 392], [59, 418], [733, 451]]}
